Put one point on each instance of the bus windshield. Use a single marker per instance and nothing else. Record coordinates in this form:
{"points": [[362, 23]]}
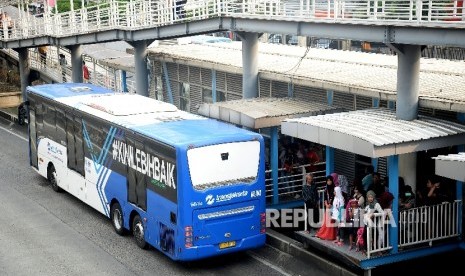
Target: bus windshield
{"points": [[224, 164]]}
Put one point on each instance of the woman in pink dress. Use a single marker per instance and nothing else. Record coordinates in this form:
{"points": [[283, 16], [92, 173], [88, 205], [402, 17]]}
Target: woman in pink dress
{"points": [[328, 229]]}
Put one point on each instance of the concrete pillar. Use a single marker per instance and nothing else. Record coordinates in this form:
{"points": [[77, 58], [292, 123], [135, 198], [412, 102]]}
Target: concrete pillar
{"points": [[214, 86], [408, 169], [274, 155], [329, 160], [124, 81], [408, 76], [24, 70], [140, 62], [249, 65], [393, 169], [76, 63]]}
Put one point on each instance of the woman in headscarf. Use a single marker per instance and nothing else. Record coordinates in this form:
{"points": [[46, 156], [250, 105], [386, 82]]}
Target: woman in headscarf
{"points": [[327, 230], [372, 207], [337, 215]]}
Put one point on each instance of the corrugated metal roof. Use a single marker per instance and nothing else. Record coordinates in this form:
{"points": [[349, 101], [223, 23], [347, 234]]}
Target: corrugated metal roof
{"points": [[262, 112], [356, 72], [451, 166], [375, 132], [459, 157]]}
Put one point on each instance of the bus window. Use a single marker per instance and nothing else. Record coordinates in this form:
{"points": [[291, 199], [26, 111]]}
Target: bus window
{"points": [[224, 164]]}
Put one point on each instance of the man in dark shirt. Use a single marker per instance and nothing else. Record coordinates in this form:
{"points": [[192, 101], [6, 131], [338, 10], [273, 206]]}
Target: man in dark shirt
{"points": [[311, 199]]}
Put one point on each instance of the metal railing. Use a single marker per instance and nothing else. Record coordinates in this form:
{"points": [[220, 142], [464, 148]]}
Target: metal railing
{"points": [[420, 225], [139, 14], [290, 183], [50, 65], [429, 223]]}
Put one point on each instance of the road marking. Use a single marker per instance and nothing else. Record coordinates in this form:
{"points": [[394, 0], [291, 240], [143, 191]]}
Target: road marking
{"points": [[15, 134], [265, 262]]}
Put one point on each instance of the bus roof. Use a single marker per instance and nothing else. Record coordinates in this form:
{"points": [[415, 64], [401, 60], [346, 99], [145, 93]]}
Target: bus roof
{"points": [[159, 120]]}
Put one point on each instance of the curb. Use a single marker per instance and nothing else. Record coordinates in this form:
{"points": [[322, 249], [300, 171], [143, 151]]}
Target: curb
{"points": [[9, 116], [295, 249]]}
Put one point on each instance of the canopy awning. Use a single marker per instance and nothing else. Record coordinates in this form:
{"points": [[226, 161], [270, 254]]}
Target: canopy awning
{"points": [[451, 166], [262, 112], [375, 132]]}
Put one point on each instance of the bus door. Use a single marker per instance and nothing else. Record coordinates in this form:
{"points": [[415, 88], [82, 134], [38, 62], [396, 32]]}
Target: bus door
{"points": [[75, 154]]}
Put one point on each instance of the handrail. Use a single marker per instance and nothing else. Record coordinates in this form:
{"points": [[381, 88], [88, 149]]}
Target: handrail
{"points": [[142, 14]]}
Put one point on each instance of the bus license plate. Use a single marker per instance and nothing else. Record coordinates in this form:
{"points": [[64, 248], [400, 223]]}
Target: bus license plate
{"points": [[224, 245]]}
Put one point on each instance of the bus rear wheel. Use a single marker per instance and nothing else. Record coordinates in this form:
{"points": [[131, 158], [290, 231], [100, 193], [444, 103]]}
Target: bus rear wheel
{"points": [[138, 232], [52, 178], [117, 218]]}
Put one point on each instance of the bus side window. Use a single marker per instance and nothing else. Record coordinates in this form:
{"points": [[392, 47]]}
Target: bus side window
{"points": [[50, 121], [39, 120], [79, 146], [70, 142], [60, 127]]}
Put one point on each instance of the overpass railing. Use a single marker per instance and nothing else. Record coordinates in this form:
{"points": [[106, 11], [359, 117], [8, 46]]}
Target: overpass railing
{"points": [[140, 14]]}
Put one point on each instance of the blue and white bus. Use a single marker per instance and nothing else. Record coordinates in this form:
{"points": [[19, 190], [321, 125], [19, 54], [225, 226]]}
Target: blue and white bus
{"points": [[189, 186]]}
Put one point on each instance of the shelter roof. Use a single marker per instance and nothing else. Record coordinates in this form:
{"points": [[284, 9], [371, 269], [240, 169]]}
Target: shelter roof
{"points": [[262, 112], [375, 132], [451, 166], [368, 74]]}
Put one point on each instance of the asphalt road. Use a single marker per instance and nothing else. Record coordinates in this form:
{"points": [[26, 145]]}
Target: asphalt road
{"points": [[48, 233]]}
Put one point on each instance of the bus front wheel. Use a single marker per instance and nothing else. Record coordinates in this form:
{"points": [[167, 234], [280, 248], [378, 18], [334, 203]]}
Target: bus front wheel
{"points": [[52, 178], [117, 218], [138, 232]]}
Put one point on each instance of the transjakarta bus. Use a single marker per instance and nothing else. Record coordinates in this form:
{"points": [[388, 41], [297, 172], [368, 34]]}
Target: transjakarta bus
{"points": [[189, 186]]}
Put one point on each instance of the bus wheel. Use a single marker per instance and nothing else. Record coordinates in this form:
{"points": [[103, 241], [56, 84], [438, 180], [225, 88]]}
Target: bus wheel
{"points": [[138, 232], [117, 218], [52, 178]]}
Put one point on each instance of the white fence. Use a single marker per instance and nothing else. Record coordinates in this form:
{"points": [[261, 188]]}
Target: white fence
{"points": [[140, 14], [420, 225]]}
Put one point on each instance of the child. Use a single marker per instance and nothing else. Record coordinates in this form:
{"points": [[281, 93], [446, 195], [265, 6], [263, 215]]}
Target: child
{"points": [[360, 244], [337, 216], [353, 219]]}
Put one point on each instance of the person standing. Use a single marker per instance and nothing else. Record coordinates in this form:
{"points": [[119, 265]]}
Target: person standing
{"points": [[311, 199], [63, 64], [85, 72], [43, 54]]}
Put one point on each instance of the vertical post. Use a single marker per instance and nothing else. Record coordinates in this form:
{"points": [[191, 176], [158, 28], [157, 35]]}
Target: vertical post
{"points": [[329, 160], [249, 65], [374, 163], [140, 58], [290, 90], [274, 162], [24, 70], [391, 104], [214, 86], [168, 83], [76, 63], [124, 81], [459, 184], [408, 76], [329, 96], [375, 102], [393, 169]]}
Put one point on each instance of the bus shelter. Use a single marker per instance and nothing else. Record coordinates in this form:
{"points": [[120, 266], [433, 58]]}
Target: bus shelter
{"points": [[377, 133], [266, 113]]}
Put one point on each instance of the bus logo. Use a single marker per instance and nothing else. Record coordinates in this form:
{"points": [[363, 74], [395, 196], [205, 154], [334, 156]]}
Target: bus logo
{"points": [[210, 199]]}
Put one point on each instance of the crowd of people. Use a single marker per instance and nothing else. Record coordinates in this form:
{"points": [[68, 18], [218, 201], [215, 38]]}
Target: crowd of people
{"points": [[347, 212]]}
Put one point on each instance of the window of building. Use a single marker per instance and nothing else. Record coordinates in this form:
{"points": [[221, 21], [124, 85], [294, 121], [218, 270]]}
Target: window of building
{"points": [[159, 88], [207, 95], [184, 100]]}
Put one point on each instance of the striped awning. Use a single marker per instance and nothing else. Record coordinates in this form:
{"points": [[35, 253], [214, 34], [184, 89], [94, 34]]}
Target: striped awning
{"points": [[375, 132]]}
